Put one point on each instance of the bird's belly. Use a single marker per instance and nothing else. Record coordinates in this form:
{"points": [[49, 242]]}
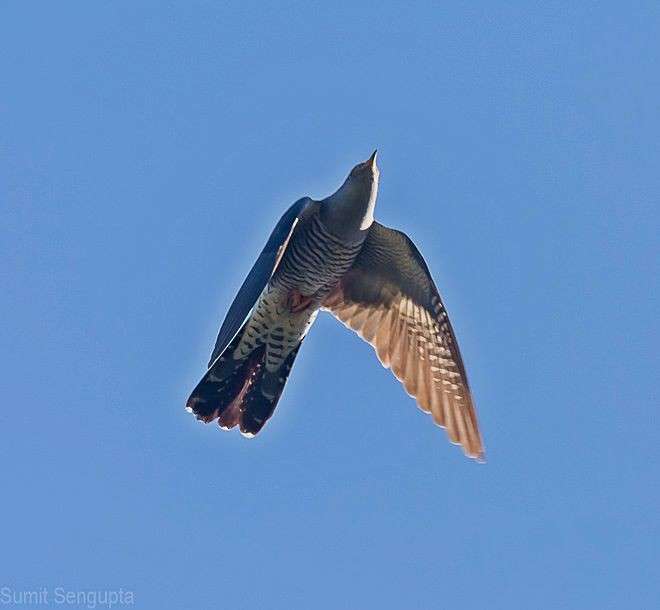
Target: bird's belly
{"points": [[276, 326]]}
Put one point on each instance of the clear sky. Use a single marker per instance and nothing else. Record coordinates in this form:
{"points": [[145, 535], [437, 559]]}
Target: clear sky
{"points": [[148, 148]]}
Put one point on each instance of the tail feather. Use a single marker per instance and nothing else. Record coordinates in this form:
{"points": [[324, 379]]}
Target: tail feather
{"points": [[263, 395], [240, 392]]}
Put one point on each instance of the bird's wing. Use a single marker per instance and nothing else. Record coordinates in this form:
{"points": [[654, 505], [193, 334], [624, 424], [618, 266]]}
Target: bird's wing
{"points": [[389, 298], [258, 277]]}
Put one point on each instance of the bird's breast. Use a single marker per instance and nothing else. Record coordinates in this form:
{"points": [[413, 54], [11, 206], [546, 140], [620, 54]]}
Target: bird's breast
{"points": [[313, 262]]}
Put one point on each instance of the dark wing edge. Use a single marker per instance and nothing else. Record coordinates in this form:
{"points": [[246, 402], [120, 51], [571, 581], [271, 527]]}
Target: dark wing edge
{"points": [[390, 300], [258, 277]]}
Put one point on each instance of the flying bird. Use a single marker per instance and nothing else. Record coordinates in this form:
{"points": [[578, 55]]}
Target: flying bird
{"points": [[332, 255]]}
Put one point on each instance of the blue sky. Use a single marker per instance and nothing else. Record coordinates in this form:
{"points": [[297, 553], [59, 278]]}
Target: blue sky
{"points": [[147, 149]]}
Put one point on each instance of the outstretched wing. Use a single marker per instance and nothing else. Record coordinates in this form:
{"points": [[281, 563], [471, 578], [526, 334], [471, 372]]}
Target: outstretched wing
{"points": [[258, 277], [389, 298]]}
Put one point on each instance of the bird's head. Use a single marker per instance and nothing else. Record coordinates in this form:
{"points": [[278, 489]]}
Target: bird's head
{"points": [[350, 211]]}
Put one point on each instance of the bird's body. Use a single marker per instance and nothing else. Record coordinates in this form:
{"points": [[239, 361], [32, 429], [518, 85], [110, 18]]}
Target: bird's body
{"points": [[333, 255], [312, 264]]}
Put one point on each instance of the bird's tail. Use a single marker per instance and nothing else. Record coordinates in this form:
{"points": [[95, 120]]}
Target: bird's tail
{"points": [[240, 392]]}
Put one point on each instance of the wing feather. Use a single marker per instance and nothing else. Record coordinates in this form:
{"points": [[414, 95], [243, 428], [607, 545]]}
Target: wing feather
{"points": [[258, 277], [389, 298]]}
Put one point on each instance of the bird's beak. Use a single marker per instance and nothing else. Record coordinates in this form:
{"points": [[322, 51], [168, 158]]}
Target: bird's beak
{"points": [[370, 162]]}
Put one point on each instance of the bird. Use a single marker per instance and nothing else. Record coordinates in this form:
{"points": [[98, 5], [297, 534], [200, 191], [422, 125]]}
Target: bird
{"points": [[332, 255]]}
